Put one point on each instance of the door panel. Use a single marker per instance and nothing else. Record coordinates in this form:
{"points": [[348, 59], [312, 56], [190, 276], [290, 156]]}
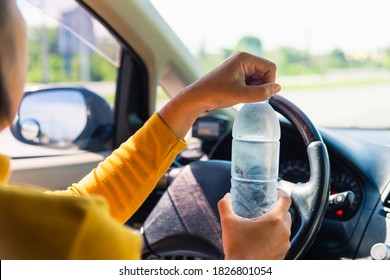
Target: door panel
{"points": [[57, 172]]}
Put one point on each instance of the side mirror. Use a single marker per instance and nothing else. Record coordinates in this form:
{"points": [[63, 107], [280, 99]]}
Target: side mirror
{"points": [[64, 117]]}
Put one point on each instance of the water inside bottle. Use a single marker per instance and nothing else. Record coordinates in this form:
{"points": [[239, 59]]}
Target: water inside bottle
{"points": [[253, 198], [255, 160]]}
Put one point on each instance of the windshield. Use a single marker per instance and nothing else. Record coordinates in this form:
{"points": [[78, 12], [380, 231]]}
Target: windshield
{"points": [[333, 56]]}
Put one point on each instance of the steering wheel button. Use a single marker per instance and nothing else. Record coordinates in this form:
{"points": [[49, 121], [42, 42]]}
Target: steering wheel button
{"points": [[340, 198]]}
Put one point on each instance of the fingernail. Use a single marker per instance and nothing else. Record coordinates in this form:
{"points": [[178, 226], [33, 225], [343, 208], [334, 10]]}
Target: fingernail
{"points": [[276, 88]]}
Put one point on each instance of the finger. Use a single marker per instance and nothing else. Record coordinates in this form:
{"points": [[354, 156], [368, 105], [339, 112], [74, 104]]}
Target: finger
{"points": [[261, 92], [283, 203], [252, 64], [257, 76], [255, 79], [270, 75], [288, 219], [265, 69]]}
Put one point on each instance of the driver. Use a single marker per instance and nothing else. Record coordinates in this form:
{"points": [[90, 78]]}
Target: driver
{"points": [[86, 220]]}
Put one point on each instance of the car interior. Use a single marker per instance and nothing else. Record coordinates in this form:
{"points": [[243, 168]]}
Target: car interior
{"points": [[334, 153]]}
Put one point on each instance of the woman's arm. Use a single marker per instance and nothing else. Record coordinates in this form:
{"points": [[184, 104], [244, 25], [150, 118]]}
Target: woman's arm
{"points": [[127, 177], [130, 173], [240, 79]]}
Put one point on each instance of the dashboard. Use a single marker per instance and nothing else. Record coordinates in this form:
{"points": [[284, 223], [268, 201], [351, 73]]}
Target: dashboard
{"points": [[358, 213], [360, 164], [346, 188]]}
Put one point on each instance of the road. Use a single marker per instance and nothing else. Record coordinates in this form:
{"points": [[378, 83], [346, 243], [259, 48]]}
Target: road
{"points": [[349, 106]]}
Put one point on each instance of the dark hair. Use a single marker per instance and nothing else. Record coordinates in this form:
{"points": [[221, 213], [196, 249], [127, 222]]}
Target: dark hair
{"points": [[4, 98], [4, 9]]}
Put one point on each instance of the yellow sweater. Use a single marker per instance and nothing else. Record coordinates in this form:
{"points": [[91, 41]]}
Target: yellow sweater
{"points": [[37, 224]]}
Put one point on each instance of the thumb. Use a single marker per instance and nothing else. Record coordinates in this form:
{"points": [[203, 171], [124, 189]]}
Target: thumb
{"points": [[262, 92], [283, 203], [225, 206]]}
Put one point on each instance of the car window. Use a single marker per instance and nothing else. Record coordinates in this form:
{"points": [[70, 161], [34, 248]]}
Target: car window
{"points": [[333, 56], [66, 44], [69, 51]]}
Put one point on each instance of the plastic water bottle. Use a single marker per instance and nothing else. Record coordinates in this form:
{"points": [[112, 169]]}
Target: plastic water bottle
{"points": [[255, 160]]}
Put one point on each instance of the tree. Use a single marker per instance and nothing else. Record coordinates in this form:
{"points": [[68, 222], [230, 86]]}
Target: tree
{"points": [[291, 61], [250, 44], [337, 59]]}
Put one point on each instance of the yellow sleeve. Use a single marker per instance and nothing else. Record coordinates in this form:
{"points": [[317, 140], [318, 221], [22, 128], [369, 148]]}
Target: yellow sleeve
{"points": [[38, 226], [102, 237], [131, 172], [4, 169]]}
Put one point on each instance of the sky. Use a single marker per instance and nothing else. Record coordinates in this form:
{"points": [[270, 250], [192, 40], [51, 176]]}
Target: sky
{"points": [[311, 25], [316, 26]]}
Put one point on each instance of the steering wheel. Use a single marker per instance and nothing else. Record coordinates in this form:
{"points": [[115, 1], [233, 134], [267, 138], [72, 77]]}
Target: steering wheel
{"points": [[185, 221]]}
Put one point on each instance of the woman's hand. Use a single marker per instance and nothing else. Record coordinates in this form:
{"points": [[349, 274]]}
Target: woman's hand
{"points": [[240, 79], [264, 237]]}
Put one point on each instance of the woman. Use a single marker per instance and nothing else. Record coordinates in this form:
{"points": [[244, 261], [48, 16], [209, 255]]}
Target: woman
{"points": [[86, 220]]}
